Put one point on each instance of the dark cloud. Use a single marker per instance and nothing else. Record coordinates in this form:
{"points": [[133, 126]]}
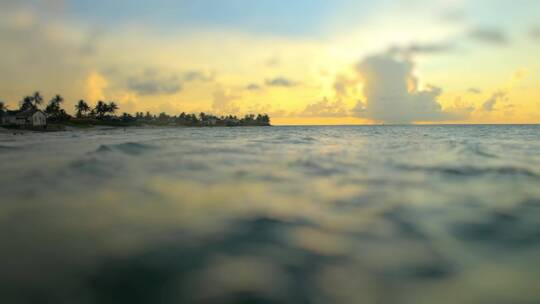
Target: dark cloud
{"points": [[280, 82], [36, 53], [253, 87], [474, 91], [91, 42], [152, 82], [392, 95], [489, 35], [422, 48], [489, 105], [197, 76]]}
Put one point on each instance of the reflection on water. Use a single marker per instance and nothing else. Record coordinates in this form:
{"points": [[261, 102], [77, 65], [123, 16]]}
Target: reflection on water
{"points": [[415, 214]]}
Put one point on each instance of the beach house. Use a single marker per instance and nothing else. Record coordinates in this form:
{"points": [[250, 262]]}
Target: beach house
{"points": [[28, 118]]}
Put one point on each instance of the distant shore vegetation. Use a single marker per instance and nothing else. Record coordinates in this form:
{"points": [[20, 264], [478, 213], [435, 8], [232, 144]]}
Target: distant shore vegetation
{"points": [[107, 113]]}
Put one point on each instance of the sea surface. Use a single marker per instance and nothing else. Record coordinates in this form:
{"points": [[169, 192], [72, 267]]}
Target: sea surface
{"points": [[348, 214]]}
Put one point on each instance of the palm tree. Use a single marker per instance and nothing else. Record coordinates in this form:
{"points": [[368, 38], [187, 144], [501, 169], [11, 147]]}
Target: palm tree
{"points": [[148, 116], [163, 116], [27, 103], [53, 108], [202, 116], [82, 107], [3, 109], [37, 98], [58, 99], [101, 109], [112, 107]]}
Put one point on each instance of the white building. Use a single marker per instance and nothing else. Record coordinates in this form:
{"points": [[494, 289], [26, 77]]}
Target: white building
{"points": [[28, 118]]}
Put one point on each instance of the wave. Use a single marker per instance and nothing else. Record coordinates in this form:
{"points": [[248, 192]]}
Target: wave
{"points": [[513, 228], [93, 167], [471, 171], [317, 168], [481, 152], [129, 148], [8, 148]]}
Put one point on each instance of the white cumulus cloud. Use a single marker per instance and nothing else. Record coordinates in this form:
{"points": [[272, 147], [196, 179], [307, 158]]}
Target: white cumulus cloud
{"points": [[392, 95]]}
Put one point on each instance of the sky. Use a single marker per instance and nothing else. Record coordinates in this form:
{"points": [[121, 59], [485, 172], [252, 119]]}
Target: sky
{"points": [[301, 62]]}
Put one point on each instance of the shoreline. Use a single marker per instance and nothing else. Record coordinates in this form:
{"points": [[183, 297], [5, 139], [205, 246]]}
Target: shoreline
{"points": [[74, 127]]}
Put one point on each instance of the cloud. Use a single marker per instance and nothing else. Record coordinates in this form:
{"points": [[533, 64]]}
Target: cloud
{"points": [[392, 95], [280, 82], [197, 76], [343, 85], [489, 35], [462, 108], [152, 82], [454, 15], [96, 85], [534, 33], [91, 42], [273, 61], [474, 91], [223, 102], [266, 108], [253, 87], [489, 105], [325, 108], [422, 48], [519, 74], [38, 54]]}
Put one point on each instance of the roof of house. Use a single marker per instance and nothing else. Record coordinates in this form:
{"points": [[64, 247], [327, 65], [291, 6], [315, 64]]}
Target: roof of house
{"points": [[24, 114]]}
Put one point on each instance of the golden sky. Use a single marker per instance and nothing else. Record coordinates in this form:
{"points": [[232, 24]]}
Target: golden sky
{"points": [[309, 62]]}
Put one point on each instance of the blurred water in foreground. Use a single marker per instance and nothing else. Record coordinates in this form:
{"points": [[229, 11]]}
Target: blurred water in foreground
{"points": [[382, 214]]}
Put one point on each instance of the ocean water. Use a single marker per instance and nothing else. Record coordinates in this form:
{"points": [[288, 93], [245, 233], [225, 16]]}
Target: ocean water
{"points": [[360, 214]]}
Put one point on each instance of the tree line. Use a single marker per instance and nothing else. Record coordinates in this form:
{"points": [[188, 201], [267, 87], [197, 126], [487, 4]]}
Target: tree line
{"points": [[105, 113]]}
